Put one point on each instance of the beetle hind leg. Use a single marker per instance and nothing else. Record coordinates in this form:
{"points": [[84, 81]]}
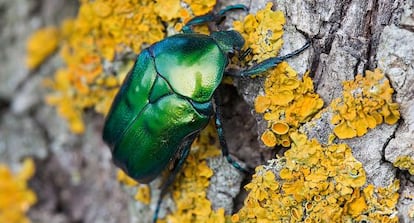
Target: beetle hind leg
{"points": [[223, 143], [164, 189]]}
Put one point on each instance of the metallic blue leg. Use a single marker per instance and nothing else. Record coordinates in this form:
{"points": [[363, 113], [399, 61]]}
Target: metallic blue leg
{"points": [[184, 154], [197, 21], [231, 8], [267, 64], [210, 17], [223, 143]]}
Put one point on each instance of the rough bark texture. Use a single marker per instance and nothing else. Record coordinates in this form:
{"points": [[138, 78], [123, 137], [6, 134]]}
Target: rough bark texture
{"points": [[75, 179]]}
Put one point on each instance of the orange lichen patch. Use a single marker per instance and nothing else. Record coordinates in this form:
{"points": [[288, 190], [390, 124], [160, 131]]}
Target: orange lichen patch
{"points": [[168, 9], [104, 32], [366, 103], [356, 205], [344, 131], [190, 186], [269, 138], [313, 183], [143, 194], [125, 179], [178, 12], [405, 163], [101, 29], [71, 104], [40, 45], [262, 33], [261, 104], [201, 7], [280, 128], [15, 196], [381, 203], [287, 102], [285, 140]]}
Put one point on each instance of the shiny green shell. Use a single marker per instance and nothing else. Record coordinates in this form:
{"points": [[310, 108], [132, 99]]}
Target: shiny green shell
{"points": [[165, 99]]}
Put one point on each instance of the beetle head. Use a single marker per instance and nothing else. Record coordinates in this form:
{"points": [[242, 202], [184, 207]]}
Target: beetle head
{"points": [[228, 41]]}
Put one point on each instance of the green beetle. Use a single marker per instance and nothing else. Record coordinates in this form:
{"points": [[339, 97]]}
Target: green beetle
{"points": [[167, 98]]}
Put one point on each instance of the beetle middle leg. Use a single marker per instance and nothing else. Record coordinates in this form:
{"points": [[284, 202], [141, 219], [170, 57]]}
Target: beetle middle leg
{"points": [[222, 140], [164, 189]]}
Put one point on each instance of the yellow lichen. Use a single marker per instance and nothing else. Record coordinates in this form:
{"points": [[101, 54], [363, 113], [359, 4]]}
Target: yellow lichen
{"points": [[101, 29], [280, 128], [405, 163], [173, 12], [261, 104], [262, 33], [125, 179], [287, 102], [143, 194], [40, 45], [201, 7], [356, 205], [268, 138], [15, 196], [313, 183], [366, 103], [168, 9]]}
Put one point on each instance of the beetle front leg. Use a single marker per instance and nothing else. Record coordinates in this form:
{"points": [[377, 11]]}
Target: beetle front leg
{"points": [[268, 63], [164, 189], [222, 140], [210, 17]]}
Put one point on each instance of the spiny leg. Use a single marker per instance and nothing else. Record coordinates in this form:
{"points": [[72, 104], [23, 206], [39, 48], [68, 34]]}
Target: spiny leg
{"points": [[222, 140], [211, 17], [245, 53], [183, 157], [268, 63]]}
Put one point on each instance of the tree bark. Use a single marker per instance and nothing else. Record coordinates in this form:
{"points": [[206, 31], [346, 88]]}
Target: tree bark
{"points": [[348, 37]]}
